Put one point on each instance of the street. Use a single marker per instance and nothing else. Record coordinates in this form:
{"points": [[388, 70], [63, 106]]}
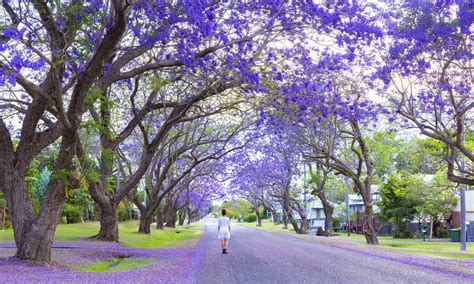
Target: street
{"points": [[259, 256]]}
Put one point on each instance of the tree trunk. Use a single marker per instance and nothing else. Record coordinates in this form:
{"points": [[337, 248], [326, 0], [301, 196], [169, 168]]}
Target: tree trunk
{"points": [[304, 226], [33, 237], [431, 227], [275, 218], [108, 218], [370, 232], [20, 205], [171, 219], [144, 226], [188, 212], [285, 221], [294, 223], [2, 217], [181, 217], [328, 211], [285, 216], [159, 220], [259, 218]]}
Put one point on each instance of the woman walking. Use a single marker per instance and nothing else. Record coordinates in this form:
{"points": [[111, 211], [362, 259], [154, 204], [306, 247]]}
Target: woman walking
{"points": [[223, 231]]}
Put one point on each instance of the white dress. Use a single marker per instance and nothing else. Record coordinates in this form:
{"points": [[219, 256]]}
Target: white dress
{"points": [[224, 233]]}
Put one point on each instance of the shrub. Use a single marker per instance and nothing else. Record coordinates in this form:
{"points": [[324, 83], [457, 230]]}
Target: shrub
{"points": [[8, 225], [404, 235], [336, 222], [63, 220], [250, 218], [442, 233], [123, 215], [72, 213], [320, 231]]}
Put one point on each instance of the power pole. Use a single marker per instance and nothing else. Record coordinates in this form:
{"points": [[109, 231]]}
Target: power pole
{"points": [[463, 217], [348, 215], [463, 205]]}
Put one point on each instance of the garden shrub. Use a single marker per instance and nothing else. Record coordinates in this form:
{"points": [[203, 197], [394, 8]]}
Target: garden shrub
{"points": [[404, 235], [336, 222], [72, 213], [8, 225], [320, 231], [123, 215], [442, 233], [250, 218]]}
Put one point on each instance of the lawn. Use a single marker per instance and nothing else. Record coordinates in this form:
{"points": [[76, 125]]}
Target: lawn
{"points": [[115, 264], [267, 225], [128, 234], [437, 247]]}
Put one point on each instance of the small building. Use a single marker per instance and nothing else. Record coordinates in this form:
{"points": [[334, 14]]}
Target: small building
{"points": [[357, 204], [315, 213], [455, 219]]}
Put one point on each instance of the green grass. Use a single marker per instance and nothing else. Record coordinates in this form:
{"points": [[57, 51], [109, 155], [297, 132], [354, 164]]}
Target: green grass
{"points": [[267, 225], [115, 264], [127, 232], [435, 247]]}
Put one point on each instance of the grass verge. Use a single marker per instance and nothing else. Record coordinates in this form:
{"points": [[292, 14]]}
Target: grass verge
{"points": [[128, 234], [267, 225], [435, 247], [114, 264]]}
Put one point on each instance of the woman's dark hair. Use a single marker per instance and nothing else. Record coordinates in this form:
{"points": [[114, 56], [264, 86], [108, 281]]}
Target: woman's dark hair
{"points": [[224, 212]]}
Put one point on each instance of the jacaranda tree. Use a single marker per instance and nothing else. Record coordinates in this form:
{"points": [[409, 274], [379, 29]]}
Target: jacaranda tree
{"points": [[427, 66], [56, 55]]}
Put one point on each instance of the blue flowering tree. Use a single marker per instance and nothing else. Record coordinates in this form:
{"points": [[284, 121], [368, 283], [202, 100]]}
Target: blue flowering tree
{"points": [[428, 71], [61, 58]]}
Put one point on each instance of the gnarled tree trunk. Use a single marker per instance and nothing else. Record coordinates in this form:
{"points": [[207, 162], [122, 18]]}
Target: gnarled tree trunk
{"points": [[188, 212], [2, 217], [294, 223], [145, 224], [108, 218], [34, 236], [171, 218], [159, 219], [285, 216], [259, 218], [328, 211], [370, 231], [181, 217], [328, 220]]}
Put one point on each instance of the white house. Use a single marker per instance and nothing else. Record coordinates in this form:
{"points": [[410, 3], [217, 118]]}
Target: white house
{"points": [[456, 216], [356, 202], [315, 214], [315, 211]]}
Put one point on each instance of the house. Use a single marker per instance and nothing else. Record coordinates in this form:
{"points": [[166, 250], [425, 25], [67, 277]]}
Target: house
{"points": [[315, 214], [357, 204], [455, 219], [315, 211]]}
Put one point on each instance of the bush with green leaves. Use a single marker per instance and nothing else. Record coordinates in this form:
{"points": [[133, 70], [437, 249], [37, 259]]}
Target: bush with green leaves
{"points": [[236, 208], [124, 214], [250, 218], [442, 233], [403, 234], [72, 213]]}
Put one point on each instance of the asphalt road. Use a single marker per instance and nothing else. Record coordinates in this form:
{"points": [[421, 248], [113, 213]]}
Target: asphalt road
{"points": [[258, 256]]}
